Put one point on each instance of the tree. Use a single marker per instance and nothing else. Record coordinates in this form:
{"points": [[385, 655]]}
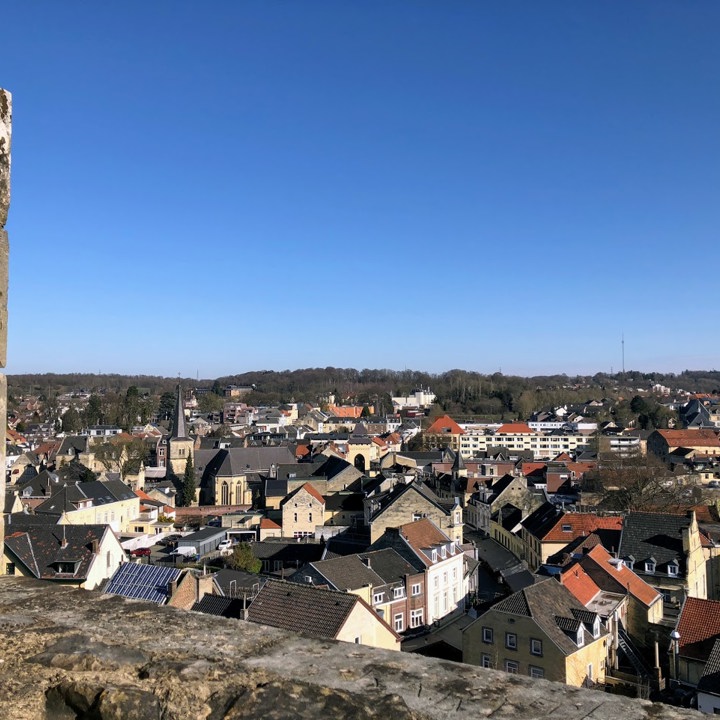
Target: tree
{"points": [[167, 405], [71, 421], [186, 496], [93, 411], [75, 471], [242, 558], [640, 484]]}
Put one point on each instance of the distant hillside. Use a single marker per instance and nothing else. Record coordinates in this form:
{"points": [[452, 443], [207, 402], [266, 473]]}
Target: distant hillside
{"points": [[461, 392]]}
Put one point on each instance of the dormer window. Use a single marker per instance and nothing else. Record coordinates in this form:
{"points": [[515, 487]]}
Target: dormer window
{"points": [[673, 568], [596, 628], [377, 597], [630, 561], [580, 636], [567, 528], [434, 556], [443, 552], [650, 565], [65, 567]]}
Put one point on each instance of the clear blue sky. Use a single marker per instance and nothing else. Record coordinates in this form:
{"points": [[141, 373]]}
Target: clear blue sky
{"points": [[224, 186]]}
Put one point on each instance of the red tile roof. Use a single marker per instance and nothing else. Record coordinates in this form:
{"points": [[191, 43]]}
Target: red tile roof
{"points": [[532, 468], [514, 429], [698, 625], [622, 574], [445, 424], [423, 534], [580, 524], [268, 524], [310, 489], [690, 438], [345, 411], [580, 584]]}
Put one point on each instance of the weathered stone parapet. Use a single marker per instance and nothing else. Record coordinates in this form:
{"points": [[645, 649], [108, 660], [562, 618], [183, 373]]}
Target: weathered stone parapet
{"points": [[5, 136], [5, 132], [75, 654]]}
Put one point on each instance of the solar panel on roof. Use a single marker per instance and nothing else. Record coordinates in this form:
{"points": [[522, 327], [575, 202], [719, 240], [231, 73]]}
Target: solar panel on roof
{"points": [[142, 582]]}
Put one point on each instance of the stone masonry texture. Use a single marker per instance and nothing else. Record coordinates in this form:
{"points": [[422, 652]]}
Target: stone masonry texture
{"points": [[5, 134], [77, 654]]}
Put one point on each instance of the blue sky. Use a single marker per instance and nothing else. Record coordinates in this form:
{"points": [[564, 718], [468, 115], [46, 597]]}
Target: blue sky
{"points": [[215, 187]]}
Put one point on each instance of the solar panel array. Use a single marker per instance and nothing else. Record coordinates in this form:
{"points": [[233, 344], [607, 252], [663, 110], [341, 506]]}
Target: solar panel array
{"points": [[142, 582]]}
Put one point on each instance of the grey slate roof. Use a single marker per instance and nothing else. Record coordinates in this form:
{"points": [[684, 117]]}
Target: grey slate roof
{"points": [[347, 573], [302, 608], [552, 606], [388, 564], [239, 461], [710, 680], [653, 535], [179, 431], [219, 606], [100, 492], [40, 547], [234, 583]]}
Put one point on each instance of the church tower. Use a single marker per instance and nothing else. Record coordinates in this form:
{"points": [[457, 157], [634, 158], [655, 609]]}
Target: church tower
{"points": [[180, 445]]}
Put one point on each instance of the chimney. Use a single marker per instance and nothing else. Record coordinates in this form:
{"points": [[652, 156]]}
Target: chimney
{"points": [[172, 587]]}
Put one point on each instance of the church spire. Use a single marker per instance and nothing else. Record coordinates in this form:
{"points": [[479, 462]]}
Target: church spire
{"points": [[178, 428]]}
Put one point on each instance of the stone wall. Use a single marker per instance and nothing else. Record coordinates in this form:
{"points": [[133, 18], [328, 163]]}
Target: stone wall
{"points": [[77, 654], [5, 133]]}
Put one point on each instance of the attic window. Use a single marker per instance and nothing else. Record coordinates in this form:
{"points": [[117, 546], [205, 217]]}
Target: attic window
{"points": [[434, 555], [673, 569], [650, 565], [65, 568], [567, 528]]}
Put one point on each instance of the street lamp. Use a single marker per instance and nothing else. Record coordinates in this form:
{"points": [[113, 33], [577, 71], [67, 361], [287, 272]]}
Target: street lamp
{"points": [[675, 637]]}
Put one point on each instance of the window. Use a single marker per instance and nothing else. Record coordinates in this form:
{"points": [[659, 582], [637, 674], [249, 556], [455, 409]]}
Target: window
{"points": [[486, 661], [434, 555], [511, 667], [535, 646], [415, 589], [511, 641], [416, 618], [10, 569], [399, 622], [377, 597], [138, 528], [309, 517], [294, 517], [443, 552], [358, 639], [567, 528], [398, 592], [536, 672], [487, 635], [673, 569], [650, 566]]}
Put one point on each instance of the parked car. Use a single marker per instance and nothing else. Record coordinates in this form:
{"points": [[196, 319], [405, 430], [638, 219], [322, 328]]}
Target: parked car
{"points": [[225, 545], [714, 484], [140, 552], [169, 540]]}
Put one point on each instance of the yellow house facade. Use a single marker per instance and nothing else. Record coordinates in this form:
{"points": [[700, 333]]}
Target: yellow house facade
{"points": [[540, 632]]}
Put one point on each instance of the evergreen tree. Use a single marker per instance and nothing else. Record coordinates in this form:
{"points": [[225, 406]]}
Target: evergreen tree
{"points": [[187, 489]]}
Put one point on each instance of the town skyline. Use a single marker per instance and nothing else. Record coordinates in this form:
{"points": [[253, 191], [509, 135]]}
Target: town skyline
{"points": [[486, 186]]}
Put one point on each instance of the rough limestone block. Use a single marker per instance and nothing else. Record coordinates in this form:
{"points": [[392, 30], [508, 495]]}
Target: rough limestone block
{"points": [[71, 654], [5, 126], [4, 255]]}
